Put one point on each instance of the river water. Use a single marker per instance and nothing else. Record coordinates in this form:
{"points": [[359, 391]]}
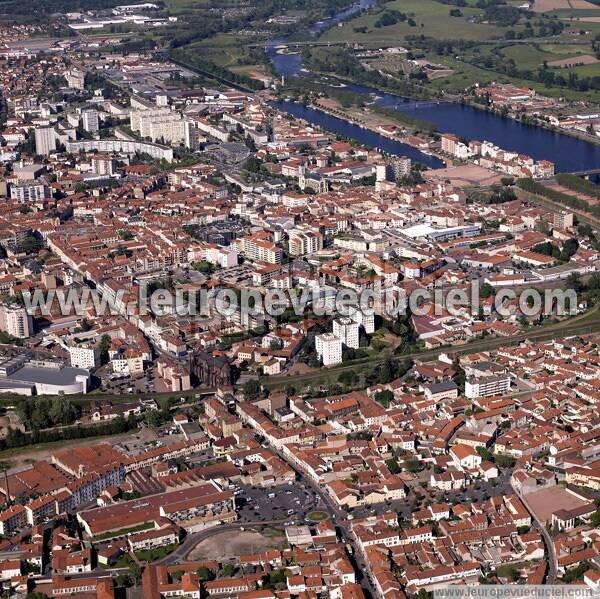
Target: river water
{"points": [[351, 131], [568, 153]]}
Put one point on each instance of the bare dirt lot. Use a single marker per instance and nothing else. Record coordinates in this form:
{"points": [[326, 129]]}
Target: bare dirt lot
{"points": [[552, 499], [234, 543], [301, 368], [576, 60], [465, 175], [582, 196]]}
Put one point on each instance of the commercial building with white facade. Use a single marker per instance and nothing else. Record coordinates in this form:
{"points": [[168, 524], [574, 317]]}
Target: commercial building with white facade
{"points": [[84, 355]]}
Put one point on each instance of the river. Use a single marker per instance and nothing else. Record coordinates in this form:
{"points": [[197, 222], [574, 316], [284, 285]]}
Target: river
{"points": [[568, 153], [349, 130], [289, 65]]}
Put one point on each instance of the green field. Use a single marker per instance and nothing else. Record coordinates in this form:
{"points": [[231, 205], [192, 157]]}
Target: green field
{"points": [[469, 68], [432, 19], [465, 75], [187, 6], [533, 56], [224, 49], [495, 59], [586, 70]]}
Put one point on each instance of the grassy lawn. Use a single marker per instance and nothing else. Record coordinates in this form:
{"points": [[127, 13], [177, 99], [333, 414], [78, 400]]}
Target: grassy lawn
{"points": [[576, 13], [586, 70], [592, 28], [532, 56], [270, 531], [124, 561], [564, 50], [317, 516], [466, 74], [509, 570], [223, 49], [187, 6], [249, 69], [231, 52], [152, 555], [432, 19]]}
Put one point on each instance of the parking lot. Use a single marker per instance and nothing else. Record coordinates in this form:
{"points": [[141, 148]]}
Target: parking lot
{"points": [[122, 383], [287, 502]]}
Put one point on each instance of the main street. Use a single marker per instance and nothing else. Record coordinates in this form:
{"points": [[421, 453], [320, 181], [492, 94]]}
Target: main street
{"points": [[342, 523], [548, 542]]}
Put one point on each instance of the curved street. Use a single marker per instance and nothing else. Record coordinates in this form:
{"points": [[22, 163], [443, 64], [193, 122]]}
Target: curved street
{"points": [[342, 524], [548, 542], [180, 554]]}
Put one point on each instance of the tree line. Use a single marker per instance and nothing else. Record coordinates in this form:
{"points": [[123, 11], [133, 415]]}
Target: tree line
{"points": [[18, 438], [558, 196], [578, 184], [42, 413]]}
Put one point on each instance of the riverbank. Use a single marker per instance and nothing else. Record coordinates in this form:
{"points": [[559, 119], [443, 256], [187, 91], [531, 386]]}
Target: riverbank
{"points": [[568, 150], [362, 116], [346, 128], [372, 121], [467, 101]]}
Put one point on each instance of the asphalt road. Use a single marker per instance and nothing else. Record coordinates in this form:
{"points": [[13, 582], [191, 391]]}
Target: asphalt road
{"points": [[548, 542], [340, 519], [180, 554]]}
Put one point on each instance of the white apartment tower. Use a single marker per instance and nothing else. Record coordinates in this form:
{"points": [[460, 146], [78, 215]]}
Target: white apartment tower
{"points": [[15, 321], [84, 356], [75, 79], [45, 140], [305, 242], [30, 191], [366, 320], [89, 120], [103, 164], [346, 330], [329, 348], [563, 220]]}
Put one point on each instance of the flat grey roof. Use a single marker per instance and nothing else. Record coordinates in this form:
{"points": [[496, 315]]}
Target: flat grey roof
{"points": [[4, 384], [443, 386], [48, 376]]}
